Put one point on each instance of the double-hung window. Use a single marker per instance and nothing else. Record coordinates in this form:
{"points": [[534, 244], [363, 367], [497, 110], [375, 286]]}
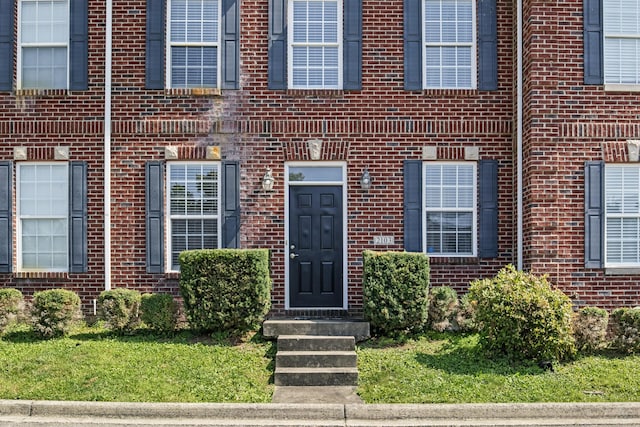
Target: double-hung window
{"points": [[194, 208], [450, 212], [43, 44], [621, 41], [194, 43], [622, 215], [43, 217]]}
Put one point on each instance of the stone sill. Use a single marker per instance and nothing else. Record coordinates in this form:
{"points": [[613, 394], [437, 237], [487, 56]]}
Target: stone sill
{"points": [[621, 88], [622, 271]]}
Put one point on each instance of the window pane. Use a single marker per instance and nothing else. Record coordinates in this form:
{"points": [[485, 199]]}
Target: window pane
{"points": [[317, 174]]}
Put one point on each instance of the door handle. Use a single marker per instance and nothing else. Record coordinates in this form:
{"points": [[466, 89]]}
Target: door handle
{"points": [[293, 256]]}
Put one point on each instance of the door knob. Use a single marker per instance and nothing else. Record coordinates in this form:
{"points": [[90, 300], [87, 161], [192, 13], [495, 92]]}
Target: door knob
{"points": [[293, 256]]}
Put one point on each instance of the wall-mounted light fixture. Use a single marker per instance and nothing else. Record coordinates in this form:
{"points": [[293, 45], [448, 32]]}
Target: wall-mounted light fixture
{"points": [[268, 181], [365, 180]]}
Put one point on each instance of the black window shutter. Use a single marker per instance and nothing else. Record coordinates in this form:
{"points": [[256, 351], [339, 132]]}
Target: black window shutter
{"points": [[413, 205], [154, 56], [593, 214], [593, 43], [6, 44], [413, 44], [6, 226], [154, 202], [487, 45], [488, 201], [77, 217], [230, 44], [352, 51], [277, 44], [230, 204], [79, 45]]}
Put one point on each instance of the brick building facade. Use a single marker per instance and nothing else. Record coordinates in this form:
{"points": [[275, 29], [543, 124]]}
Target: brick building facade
{"points": [[131, 131]]}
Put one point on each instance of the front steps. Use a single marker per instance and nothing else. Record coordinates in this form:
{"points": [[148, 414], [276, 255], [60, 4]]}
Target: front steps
{"points": [[316, 353]]}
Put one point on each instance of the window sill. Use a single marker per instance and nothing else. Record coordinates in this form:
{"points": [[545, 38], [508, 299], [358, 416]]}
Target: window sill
{"points": [[622, 271], [173, 275], [439, 93], [452, 260], [621, 87], [41, 93], [41, 275], [194, 91], [316, 93]]}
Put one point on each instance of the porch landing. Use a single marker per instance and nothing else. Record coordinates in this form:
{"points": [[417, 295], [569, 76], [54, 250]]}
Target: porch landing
{"points": [[335, 327]]}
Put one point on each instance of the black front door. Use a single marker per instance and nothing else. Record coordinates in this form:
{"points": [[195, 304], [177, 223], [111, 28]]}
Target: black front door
{"points": [[315, 246]]}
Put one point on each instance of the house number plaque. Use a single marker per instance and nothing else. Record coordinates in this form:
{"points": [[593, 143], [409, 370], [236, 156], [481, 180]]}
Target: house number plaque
{"points": [[383, 240]]}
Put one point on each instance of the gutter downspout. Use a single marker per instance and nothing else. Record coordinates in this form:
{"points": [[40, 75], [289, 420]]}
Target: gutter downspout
{"points": [[519, 137], [107, 146]]}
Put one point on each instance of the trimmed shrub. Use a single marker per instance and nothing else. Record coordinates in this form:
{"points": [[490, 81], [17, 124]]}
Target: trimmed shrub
{"points": [[11, 306], [521, 316], [225, 290], [159, 312], [54, 312], [395, 287], [626, 329], [465, 315], [443, 307], [120, 309], [590, 328]]}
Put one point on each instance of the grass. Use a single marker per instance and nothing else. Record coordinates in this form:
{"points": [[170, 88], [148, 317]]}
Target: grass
{"points": [[94, 365]]}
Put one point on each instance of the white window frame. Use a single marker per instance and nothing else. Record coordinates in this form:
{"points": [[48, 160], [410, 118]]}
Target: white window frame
{"points": [[621, 215], [21, 45], [473, 210], [292, 45], [609, 35], [170, 217], [21, 217], [170, 45], [472, 45]]}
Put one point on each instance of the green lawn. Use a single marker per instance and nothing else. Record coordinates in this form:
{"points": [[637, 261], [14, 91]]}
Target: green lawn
{"points": [[94, 365]]}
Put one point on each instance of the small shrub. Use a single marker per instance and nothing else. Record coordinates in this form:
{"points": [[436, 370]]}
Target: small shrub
{"points": [[159, 312], [626, 329], [119, 308], [465, 315], [54, 312], [225, 290], [11, 306], [590, 328], [395, 288], [520, 316], [443, 306]]}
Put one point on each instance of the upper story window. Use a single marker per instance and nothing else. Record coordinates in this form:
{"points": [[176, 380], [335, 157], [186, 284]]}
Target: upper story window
{"points": [[621, 41], [43, 44], [194, 38], [449, 44], [622, 216], [315, 50]]}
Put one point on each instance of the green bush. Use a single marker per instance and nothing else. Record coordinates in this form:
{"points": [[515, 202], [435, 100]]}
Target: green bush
{"points": [[590, 328], [626, 329], [159, 312], [54, 312], [465, 316], [520, 316], [225, 290], [443, 307], [395, 287], [11, 306], [120, 309]]}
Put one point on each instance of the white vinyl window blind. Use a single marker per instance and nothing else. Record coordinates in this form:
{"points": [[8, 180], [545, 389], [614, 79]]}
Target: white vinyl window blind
{"points": [[622, 41], [622, 215]]}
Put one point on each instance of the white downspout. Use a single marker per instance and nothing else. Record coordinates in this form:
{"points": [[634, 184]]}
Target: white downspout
{"points": [[519, 144], [107, 147]]}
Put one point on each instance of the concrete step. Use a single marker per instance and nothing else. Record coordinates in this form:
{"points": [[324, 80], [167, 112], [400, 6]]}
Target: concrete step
{"points": [[315, 343], [316, 359], [275, 328], [316, 377]]}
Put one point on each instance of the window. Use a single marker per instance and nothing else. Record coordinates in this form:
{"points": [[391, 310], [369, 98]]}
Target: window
{"points": [[315, 51], [42, 217], [43, 47], [622, 215], [194, 208], [621, 41], [194, 34], [450, 208], [449, 43]]}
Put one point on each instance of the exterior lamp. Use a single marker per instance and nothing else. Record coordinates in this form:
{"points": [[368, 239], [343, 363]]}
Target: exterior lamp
{"points": [[268, 181], [365, 180]]}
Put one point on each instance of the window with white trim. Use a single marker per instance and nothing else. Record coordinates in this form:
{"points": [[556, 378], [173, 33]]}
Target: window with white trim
{"points": [[315, 48], [194, 43], [450, 208], [194, 208], [43, 218], [621, 41], [622, 216], [449, 44], [43, 44]]}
